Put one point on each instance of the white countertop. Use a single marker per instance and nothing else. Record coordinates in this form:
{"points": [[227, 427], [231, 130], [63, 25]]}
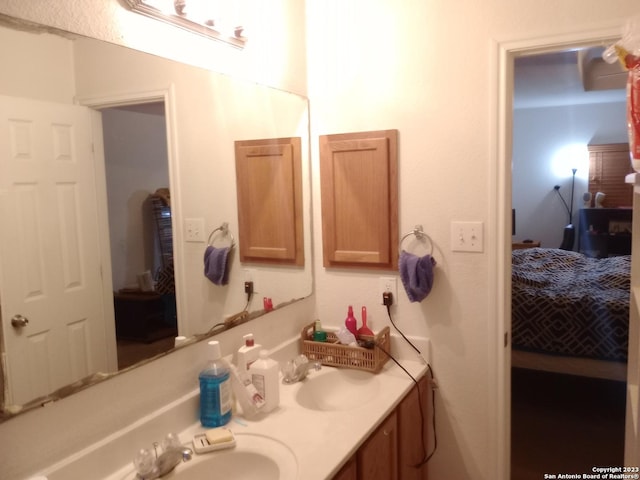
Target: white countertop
{"points": [[321, 441]]}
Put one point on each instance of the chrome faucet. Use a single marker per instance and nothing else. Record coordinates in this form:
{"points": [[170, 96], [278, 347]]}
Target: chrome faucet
{"points": [[297, 369], [150, 466]]}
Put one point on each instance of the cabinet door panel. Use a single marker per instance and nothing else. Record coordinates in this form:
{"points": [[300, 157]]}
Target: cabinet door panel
{"points": [[378, 457], [269, 184], [411, 449], [359, 199], [349, 471]]}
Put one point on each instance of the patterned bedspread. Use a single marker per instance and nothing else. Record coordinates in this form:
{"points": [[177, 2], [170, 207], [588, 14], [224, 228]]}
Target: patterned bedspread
{"points": [[565, 303]]}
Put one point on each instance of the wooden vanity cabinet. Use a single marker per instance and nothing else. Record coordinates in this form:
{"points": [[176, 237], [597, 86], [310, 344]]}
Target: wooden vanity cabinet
{"points": [[410, 447], [391, 452], [349, 470], [377, 458]]}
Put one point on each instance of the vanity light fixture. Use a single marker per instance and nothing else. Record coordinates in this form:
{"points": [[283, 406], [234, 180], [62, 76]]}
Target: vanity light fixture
{"points": [[197, 16]]}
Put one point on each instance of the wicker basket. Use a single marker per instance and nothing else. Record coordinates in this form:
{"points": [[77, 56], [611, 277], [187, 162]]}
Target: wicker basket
{"points": [[335, 354]]}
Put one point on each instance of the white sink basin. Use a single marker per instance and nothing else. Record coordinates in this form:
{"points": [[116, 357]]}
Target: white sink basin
{"points": [[254, 456], [333, 389]]}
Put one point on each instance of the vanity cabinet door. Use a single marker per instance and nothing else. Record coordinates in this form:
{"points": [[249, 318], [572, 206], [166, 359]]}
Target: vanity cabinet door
{"points": [[378, 456], [359, 189], [411, 449], [269, 187], [391, 452], [349, 471]]}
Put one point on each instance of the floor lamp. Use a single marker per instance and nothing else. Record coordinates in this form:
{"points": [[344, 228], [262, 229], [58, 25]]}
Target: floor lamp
{"points": [[569, 234]]}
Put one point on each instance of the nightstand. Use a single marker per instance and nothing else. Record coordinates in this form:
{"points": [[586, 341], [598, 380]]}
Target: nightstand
{"points": [[521, 245]]}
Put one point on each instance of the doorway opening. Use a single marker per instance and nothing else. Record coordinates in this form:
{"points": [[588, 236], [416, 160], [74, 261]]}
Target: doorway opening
{"points": [[140, 229], [564, 419]]}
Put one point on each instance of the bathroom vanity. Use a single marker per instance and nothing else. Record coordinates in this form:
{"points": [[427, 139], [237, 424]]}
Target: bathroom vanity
{"points": [[394, 449], [336, 424]]}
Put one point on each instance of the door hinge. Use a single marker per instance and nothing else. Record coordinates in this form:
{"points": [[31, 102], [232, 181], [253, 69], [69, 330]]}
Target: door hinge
{"points": [[506, 339]]}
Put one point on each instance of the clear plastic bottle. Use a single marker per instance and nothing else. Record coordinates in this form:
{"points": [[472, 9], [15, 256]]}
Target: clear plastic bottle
{"points": [[215, 390]]}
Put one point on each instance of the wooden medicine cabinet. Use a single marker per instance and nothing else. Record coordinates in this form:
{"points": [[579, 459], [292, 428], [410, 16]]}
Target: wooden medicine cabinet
{"points": [[269, 182], [359, 188]]}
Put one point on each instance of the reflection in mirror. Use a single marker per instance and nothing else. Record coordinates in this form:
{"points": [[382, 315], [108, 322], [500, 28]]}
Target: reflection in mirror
{"points": [[145, 150]]}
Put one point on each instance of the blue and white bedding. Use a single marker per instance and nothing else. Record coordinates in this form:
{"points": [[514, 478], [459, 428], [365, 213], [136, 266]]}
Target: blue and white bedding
{"points": [[564, 303]]}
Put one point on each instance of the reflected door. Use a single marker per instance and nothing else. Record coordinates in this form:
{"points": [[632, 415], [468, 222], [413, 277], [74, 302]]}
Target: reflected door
{"points": [[50, 248]]}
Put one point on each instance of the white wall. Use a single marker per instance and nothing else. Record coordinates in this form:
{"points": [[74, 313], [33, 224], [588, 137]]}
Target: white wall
{"points": [[428, 69], [538, 135]]}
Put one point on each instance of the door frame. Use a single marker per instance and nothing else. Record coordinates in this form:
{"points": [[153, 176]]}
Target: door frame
{"points": [[502, 67], [167, 96]]}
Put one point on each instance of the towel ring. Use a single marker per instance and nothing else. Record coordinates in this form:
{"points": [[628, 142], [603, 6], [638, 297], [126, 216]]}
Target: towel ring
{"points": [[420, 235], [224, 228]]}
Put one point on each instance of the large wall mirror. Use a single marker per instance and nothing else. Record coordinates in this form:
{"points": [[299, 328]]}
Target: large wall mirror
{"points": [[117, 166]]}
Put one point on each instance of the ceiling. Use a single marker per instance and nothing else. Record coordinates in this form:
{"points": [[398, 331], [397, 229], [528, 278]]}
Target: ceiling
{"points": [[570, 77]]}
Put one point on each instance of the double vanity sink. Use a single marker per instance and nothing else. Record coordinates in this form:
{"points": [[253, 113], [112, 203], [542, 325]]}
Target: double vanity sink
{"points": [[320, 423]]}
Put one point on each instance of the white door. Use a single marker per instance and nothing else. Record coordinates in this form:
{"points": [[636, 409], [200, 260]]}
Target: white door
{"points": [[49, 249]]}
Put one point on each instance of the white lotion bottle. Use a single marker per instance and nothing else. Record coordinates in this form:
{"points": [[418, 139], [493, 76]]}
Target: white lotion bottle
{"points": [[265, 376], [248, 353]]}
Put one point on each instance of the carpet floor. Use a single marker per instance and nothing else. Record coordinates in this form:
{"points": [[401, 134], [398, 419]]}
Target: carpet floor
{"points": [[564, 424], [131, 352]]}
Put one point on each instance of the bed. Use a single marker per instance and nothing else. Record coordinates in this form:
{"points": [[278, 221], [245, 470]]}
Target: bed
{"points": [[570, 312]]}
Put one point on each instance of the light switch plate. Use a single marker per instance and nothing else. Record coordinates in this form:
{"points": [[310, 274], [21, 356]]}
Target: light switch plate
{"points": [[467, 236], [194, 229]]}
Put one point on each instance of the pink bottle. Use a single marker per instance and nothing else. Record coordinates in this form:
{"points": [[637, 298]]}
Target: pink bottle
{"points": [[351, 323]]}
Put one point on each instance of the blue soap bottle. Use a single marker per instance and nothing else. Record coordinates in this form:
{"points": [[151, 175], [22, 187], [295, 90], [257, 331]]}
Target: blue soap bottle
{"points": [[215, 390]]}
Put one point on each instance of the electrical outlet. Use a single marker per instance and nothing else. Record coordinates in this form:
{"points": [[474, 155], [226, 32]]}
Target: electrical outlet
{"points": [[249, 274], [194, 229], [467, 236], [388, 284]]}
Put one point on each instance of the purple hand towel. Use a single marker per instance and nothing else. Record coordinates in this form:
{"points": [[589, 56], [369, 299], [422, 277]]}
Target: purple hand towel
{"points": [[215, 265], [416, 274]]}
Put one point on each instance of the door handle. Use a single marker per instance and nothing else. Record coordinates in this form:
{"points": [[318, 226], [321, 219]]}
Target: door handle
{"points": [[18, 321]]}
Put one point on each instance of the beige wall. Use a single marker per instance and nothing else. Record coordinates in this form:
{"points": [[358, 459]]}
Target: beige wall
{"points": [[48, 76], [428, 69]]}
